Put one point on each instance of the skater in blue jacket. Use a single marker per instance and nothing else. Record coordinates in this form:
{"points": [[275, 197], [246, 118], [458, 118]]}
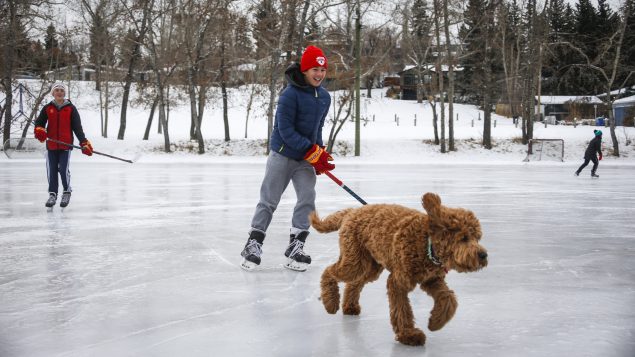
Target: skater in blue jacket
{"points": [[296, 155]]}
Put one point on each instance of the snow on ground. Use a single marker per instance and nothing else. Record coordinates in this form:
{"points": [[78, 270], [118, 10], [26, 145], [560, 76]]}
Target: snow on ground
{"points": [[382, 140]]}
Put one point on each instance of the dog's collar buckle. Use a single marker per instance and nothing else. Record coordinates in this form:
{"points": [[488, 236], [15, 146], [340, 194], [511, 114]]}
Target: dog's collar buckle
{"points": [[433, 258]]}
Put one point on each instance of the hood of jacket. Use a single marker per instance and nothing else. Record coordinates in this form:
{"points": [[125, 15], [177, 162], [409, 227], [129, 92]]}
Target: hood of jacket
{"points": [[294, 76]]}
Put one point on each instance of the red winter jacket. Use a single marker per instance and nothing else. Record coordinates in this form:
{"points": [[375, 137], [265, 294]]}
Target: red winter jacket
{"points": [[62, 123]]}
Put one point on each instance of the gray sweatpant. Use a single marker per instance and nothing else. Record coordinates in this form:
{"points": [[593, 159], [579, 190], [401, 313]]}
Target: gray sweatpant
{"points": [[280, 170]]}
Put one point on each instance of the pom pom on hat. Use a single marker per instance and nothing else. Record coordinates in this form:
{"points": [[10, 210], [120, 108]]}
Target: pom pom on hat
{"points": [[312, 57], [597, 132], [57, 85]]}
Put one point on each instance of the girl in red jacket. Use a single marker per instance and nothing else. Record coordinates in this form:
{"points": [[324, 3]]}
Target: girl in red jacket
{"points": [[63, 120]]}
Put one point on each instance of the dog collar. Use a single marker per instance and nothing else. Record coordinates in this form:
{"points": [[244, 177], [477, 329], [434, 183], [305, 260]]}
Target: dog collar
{"points": [[431, 254]]}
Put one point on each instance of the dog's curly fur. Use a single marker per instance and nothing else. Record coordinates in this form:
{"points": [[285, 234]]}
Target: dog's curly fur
{"points": [[395, 238]]}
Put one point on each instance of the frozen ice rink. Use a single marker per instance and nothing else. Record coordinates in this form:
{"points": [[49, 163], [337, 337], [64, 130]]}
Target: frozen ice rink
{"points": [[144, 262]]}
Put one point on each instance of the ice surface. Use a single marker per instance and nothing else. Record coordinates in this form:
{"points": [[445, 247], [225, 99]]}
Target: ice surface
{"points": [[144, 262]]}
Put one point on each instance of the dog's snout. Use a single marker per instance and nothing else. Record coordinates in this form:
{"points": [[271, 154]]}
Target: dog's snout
{"points": [[482, 255]]}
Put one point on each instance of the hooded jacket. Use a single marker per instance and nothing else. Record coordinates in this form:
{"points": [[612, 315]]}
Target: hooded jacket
{"points": [[595, 146], [62, 121], [300, 116]]}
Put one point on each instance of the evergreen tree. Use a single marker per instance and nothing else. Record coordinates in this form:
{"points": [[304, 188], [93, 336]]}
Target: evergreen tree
{"points": [[607, 20], [266, 28], [473, 32], [420, 28], [51, 46], [50, 39], [242, 41], [586, 28], [628, 47]]}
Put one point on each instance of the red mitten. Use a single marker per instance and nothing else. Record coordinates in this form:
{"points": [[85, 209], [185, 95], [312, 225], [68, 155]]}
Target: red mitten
{"points": [[319, 159], [40, 133], [600, 158], [87, 148]]}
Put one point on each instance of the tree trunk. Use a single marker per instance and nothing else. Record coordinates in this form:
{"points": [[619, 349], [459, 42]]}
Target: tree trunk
{"points": [[191, 88], [146, 134], [107, 103], [450, 62], [202, 98], [435, 120], [135, 55], [7, 76], [249, 104], [358, 72], [223, 88], [438, 65]]}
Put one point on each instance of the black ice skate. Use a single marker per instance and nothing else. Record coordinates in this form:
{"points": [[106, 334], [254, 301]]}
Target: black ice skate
{"points": [[66, 198], [252, 251], [577, 173], [52, 199], [297, 259], [594, 175]]}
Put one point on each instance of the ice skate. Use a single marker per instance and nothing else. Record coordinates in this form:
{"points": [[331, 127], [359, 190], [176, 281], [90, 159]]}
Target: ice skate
{"points": [[577, 173], [297, 260], [52, 199], [252, 251], [66, 198], [594, 175]]}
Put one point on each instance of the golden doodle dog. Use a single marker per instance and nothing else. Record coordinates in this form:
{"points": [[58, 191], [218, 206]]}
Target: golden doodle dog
{"points": [[417, 249]]}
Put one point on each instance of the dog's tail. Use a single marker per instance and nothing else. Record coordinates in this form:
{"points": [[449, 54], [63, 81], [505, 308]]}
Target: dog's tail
{"points": [[330, 223]]}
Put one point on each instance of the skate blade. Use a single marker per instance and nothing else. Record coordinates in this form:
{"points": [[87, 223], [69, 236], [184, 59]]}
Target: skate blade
{"points": [[248, 266], [293, 265]]}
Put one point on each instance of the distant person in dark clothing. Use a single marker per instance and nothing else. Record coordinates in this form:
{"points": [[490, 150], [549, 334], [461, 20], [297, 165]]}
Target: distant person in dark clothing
{"points": [[595, 146]]}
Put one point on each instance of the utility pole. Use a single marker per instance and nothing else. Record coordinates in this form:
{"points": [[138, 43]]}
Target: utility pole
{"points": [[358, 74]]}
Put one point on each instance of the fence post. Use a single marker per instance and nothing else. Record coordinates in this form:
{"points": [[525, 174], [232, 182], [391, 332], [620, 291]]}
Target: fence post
{"points": [[415, 119]]}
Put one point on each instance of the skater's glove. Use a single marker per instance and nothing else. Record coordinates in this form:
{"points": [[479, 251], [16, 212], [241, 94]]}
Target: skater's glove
{"points": [[40, 133], [87, 148], [600, 158], [319, 159]]}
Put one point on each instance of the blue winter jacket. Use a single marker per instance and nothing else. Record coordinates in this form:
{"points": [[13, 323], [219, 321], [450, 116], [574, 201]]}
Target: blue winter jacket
{"points": [[300, 116]]}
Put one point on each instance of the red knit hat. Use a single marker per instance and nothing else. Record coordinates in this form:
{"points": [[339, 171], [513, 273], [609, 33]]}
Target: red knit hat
{"points": [[312, 57]]}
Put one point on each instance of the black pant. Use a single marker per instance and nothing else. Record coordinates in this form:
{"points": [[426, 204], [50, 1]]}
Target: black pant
{"points": [[586, 162], [57, 161]]}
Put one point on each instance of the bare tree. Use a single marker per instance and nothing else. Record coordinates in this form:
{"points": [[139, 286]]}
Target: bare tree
{"points": [[162, 56], [14, 16], [101, 16], [197, 19], [138, 14]]}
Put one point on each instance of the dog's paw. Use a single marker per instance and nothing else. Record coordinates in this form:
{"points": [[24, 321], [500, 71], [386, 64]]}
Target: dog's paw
{"points": [[331, 303], [352, 309], [411, 337], [443, 311]]}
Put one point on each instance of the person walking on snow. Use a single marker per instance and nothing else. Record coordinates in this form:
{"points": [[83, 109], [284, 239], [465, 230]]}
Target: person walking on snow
{"points": [[595, 146], [58, 120], [296, 155]]}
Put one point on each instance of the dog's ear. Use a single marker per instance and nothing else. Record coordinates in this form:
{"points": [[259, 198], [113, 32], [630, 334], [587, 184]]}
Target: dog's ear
{"points": [[432, 204]]}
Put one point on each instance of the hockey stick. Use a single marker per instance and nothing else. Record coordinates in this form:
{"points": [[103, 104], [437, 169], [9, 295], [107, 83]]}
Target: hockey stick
{"points": [[94, 152], [342, 185]]}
